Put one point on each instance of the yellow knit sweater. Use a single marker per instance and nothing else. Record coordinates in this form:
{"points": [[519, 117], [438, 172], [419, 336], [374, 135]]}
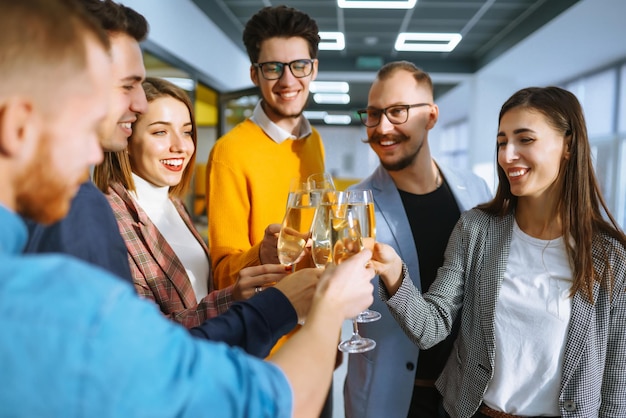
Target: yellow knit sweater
{"points": [[248, 177]]}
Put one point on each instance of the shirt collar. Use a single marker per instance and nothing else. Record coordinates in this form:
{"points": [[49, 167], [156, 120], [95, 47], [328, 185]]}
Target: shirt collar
{"points": [[275, 132]]}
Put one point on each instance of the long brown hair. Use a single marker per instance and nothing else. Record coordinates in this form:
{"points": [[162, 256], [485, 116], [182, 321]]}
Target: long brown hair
{"points": [[116, 166], [581, 205]]}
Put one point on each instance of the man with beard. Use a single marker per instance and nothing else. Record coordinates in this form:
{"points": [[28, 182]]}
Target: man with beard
{"points": [[417, 203], [251, 167], [90, 232], [76, 341]]}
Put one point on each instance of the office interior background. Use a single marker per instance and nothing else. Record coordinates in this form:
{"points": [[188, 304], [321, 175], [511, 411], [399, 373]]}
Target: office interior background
{"points": [[581, 48]]}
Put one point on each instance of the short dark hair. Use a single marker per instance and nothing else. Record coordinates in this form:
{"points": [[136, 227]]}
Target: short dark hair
{"points": [[279, 22], [117, 18]]}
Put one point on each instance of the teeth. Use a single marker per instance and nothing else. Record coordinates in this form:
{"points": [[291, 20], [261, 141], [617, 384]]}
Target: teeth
{"points": [[290, 95], [385, 143], [126, 125], [173, 162], [516, 173]]}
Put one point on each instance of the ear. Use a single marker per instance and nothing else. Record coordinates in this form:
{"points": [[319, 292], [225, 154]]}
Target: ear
{"points": [[18, 125], [254, 75], [433, 116]]}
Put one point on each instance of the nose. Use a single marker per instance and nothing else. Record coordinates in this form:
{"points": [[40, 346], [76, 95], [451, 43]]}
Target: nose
{"points": [[384, 125], [509, 152], [139, 103], [181, 143], [287, 76]]}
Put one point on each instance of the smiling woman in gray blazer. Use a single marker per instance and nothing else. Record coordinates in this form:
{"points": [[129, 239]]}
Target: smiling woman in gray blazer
{"points": [[538, 276]]}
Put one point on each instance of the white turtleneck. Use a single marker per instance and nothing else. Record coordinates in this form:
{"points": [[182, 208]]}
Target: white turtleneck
{"points": [[156, 203]]}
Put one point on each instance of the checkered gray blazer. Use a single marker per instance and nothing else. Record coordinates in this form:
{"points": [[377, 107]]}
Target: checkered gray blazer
{"points": [[593, 383]]}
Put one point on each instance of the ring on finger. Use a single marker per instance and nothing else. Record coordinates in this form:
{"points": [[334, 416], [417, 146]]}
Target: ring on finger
{"points": [[258, 289]]}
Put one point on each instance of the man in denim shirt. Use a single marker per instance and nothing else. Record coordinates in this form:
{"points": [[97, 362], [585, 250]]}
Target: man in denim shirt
{"points": [[76, 341]]}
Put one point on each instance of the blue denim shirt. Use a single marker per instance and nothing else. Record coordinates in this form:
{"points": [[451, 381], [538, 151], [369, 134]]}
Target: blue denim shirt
{"points": [[77, 342]]}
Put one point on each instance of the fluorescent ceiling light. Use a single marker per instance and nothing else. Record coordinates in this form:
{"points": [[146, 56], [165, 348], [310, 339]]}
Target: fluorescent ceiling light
{"points": [[184, 83], [331, 98], [427, 42], [315, 114], [329, 87], [365, 4], [332, 41], [337, 119]]}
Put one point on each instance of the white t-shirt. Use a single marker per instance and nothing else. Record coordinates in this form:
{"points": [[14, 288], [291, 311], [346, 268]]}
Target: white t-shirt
{"points": [[156, 203], [531, 322]]}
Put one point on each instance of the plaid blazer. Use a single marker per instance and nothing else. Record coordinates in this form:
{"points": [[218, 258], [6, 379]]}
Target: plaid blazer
{"points": [[593, 383], [157, 272]]}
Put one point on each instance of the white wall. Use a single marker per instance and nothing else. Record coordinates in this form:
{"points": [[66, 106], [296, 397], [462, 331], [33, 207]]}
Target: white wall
{"points": [[586, 37]]}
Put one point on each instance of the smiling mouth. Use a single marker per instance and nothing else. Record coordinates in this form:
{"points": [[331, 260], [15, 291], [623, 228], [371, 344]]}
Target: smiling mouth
{"points": [[173, 162], [518, 172]]}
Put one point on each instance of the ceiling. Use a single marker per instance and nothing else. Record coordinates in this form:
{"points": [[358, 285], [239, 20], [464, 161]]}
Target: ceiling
{"points": [[488, 27]]}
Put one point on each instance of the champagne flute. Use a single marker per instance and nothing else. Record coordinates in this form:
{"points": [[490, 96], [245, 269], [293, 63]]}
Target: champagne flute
{"points": [[332, 203], [362, 203], [296, 226], [346, 241]]}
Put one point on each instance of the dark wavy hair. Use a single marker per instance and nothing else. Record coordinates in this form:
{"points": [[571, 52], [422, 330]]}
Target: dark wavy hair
{"points": [[581, 205], [117, 18], [279, 22]]}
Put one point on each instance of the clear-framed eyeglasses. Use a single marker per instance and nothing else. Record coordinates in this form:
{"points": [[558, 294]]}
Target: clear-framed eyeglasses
{"points": [[396, 114], [273, 70]]}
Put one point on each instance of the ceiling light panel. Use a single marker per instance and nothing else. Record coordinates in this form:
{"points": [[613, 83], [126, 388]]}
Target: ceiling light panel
{"points": [[329, 87], [367, 4], [331, 98], [337, 119], [427, 42], [332, 41]]}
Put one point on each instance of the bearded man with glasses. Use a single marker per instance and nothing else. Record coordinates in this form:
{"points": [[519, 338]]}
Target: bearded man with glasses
{"points": [[417, 203]]}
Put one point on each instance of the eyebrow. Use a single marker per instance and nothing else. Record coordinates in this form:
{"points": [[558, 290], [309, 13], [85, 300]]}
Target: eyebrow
{"points": [[517, 131], [160, 122], [135, 78]]}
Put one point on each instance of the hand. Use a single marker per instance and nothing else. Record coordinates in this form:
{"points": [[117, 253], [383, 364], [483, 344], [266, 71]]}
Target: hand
{"points": [[388, 266], [268, 251], [299, 288], [348, 286], [257, 276]]}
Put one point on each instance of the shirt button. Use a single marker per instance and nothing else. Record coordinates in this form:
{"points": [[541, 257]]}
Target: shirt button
{"points": [[569, 406], [410, 366]]}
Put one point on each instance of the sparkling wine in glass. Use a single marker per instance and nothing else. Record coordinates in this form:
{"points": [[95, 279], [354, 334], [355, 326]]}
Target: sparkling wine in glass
{"points": [[361, 202], [345, 242], [331, 204], [296, 226]]}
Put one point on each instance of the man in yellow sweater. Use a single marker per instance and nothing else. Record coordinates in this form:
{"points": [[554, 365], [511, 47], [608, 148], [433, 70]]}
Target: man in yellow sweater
{"points": [[250, 168]]}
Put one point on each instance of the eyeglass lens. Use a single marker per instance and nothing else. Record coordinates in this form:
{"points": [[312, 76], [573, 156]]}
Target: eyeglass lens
{"points": [[274, 70]]}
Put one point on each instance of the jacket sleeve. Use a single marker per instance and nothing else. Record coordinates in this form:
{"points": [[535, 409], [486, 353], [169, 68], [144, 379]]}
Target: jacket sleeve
{"points": [[254, 325]]}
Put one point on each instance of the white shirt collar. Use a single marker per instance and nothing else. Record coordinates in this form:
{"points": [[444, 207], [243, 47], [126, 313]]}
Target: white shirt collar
{"points": [[275, 132]]}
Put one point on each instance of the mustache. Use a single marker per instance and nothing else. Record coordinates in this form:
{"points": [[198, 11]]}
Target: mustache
{"points": [[377, 138]]}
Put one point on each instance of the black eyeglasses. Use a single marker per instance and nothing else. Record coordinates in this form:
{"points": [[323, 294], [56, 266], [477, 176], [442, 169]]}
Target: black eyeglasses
{"points": [[396, 114], [273, 70]]}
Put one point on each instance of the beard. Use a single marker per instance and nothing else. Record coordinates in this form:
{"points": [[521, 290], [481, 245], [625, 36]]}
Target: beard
{"points": [[42, 194], [269, 109], [405, 160]]}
